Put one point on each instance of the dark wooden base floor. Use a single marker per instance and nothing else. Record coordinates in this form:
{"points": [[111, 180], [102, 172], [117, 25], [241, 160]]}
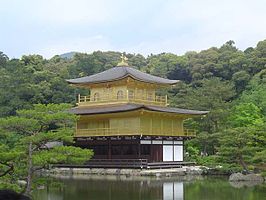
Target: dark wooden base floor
{"points": [[134, 152], [124, 149]]}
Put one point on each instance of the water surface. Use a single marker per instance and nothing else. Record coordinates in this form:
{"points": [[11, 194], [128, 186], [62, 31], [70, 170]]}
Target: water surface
{"points": [[142, 188]]}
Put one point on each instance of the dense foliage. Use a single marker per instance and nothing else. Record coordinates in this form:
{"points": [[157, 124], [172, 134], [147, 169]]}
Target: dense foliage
{"points": [[228, 82], [32, 140]]}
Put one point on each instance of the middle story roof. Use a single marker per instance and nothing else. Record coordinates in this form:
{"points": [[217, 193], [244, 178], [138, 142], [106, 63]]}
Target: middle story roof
{"points": [[132, 107], [121, 72]]}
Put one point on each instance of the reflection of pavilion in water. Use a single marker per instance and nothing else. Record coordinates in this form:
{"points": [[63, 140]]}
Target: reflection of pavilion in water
{"points": [[173, 191], [143, 188], [96, 188], [166, 190]]}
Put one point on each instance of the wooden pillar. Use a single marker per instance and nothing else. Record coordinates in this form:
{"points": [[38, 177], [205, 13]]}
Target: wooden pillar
{"points": [[78, 98], [183, 149], [139, 150], [109, 149], [127, 95], [160, 153]]}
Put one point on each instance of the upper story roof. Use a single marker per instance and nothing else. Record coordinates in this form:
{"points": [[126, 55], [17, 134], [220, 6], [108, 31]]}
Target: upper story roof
{"points": [[121, 72]]}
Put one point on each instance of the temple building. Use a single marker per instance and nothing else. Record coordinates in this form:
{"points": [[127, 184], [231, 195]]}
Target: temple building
{"points": [[123, 117]]}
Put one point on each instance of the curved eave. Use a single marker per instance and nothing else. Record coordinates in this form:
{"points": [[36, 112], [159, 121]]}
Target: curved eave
{"points": [[177, 110], [74, 82], [119, 73], [104, 109], [132, 107]]}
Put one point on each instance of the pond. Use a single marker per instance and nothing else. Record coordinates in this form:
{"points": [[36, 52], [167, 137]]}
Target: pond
{"points": [[142, 188]]}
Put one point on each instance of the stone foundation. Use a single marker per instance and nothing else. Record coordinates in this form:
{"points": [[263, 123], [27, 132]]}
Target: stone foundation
{"points": [[173, 172]]}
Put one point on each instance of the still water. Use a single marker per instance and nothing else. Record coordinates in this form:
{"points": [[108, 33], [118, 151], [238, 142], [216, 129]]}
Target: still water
{"points": [[140, 188]]}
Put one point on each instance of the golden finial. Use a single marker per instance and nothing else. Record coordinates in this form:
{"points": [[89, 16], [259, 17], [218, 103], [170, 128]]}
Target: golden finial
{"points": [[123, 61]]}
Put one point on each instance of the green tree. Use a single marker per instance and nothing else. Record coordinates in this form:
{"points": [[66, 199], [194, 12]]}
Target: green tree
{"points": [[241, 79], [238, 146], [39, 126], [161, 64], [246, 114], [3, 59], [246, 138], [213, 95], [256, 92]]}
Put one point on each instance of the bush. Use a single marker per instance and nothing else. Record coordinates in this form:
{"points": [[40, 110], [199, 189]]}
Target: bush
{"points": [[209, 161], [263, 173]]}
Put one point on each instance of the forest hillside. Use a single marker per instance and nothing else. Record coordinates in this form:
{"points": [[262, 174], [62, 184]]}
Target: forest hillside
{"points": [[228, 82]]}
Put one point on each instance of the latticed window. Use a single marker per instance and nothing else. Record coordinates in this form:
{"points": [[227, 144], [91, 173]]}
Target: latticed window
{"points": [[150, 96], [96, 96], [131, 94], [141, 94], [120, 94]]}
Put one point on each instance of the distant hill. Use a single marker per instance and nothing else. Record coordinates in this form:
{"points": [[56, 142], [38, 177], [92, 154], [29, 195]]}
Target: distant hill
{"points": [[68, 55]]}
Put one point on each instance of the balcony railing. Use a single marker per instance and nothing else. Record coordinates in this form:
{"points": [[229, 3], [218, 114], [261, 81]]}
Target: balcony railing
{"points": [[127, 98], [131, 132]]}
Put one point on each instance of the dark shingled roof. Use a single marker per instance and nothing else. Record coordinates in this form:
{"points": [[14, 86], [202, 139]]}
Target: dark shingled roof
{"points": [[118, 73], [131, 107]]}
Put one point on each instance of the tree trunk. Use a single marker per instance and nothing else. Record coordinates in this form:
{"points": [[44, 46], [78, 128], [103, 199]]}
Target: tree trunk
{"points": [[30, 171], [216, 126], [242, 163], [205, 150]]}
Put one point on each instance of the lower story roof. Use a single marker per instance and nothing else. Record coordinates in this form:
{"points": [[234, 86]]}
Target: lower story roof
{"points": [[132, 107]]}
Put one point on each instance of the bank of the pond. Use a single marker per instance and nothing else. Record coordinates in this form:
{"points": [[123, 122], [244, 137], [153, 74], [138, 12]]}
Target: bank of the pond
{"points": [[186, 172], [189, 170]]}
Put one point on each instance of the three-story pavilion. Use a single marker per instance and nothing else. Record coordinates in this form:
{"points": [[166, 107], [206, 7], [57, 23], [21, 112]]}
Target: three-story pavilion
{"points": [[124, 118]]}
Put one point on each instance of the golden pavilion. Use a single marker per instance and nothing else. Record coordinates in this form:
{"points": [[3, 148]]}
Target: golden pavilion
{"points": [[124, 118]]}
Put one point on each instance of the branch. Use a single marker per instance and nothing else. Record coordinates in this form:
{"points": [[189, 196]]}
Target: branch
{"points": [[39, 168], [41, 144], [11, 168]]}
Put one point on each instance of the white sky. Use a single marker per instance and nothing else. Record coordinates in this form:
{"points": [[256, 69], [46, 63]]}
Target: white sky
{"points": [[50, 27]]}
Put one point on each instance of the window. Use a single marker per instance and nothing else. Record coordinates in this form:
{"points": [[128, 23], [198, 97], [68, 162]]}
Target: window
{"points": [[96, 96], [150, 96], [131, 94], [120, 94], [116, 150], [100, 150], [145, 149], [124, 149], [141, 94]]}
